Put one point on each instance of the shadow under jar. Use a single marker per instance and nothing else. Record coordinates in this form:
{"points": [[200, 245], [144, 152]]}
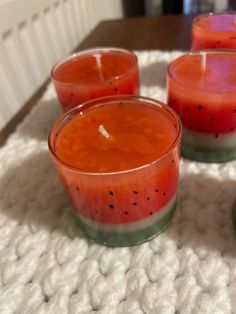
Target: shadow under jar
{"points": [[95, 73], [118, 160], [202, 90]]}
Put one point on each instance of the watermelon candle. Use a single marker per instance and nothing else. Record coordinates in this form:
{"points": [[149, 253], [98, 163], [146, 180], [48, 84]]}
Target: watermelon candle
{"points": [[118, 159], [95, 73], [202, 90], [212, 31]]}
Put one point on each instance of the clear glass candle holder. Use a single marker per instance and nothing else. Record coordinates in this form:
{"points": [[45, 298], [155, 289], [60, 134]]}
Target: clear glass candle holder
{"points": [[117, 200], [95, 73], [214, 31], [202, 90]]}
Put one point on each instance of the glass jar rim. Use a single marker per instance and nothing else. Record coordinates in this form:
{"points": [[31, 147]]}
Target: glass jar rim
{"points": [[91, 51], [199, 53], [204, 15], [74, 111]]}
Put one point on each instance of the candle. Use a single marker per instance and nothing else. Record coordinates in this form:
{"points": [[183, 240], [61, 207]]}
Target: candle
{"points": [[205, 99], [95, 73], [118, 159], [211, 31]]}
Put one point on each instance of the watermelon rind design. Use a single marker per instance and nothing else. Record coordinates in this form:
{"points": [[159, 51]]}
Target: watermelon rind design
{"points": [[207, 147], [128, 234]]}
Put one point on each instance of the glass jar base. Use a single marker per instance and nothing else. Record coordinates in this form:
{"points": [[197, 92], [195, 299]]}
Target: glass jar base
{"points": [[206, 154], [121, 239]]}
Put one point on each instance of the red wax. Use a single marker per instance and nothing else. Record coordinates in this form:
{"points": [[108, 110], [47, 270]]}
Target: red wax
{"points": [[205, 99], [214, 31], [137, 135], [118, 160], [95, 73]]}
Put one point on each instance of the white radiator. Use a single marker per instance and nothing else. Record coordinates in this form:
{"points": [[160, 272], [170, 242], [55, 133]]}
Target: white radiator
{"points": [[34, 35]]}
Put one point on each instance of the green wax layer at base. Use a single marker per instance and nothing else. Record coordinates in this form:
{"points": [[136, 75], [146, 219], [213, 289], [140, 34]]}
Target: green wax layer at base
{"points": [[207, 154], [128, 238]]}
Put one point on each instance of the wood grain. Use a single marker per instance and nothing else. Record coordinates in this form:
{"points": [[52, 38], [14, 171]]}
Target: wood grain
{"points": [[167, 32]]}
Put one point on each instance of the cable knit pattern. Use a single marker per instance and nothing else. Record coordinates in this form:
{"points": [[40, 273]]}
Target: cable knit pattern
{"points": [[48, 266]]}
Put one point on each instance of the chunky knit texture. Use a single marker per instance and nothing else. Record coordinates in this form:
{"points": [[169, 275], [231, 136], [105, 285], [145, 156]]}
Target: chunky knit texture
{"points": [[48, 266]]}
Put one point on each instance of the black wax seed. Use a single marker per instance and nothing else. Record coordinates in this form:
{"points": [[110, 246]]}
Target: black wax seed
{"points": [[115, 89], [111, 206], [156, 190], [175, 125], [172, 161], [231, 129], [135, 204], [135, 192], [111, 193], [212, 119], [216, 135], [77, 189], [151, 213], [120, 103], [148, 198], [234, 110], [164, 194], [199, 107], [126, 213], [72, 94]]}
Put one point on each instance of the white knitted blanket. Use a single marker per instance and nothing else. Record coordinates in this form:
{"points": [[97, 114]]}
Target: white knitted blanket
{"points": [[48, 266]]}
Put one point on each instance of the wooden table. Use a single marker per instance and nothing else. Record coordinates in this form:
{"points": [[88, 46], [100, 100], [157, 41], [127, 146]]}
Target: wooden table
{"points": [[167, 32]]}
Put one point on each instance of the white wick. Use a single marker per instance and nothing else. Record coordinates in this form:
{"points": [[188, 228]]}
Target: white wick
{"points": [[98, 57], [203, 61], [103, 131]]}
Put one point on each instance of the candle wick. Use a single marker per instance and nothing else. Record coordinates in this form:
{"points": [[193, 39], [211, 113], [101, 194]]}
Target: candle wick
{"points": [[203, 61], [98, 58], [103, 131]]}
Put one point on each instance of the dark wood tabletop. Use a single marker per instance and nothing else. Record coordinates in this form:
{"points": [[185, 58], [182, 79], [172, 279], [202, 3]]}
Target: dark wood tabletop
{"points": [[166, 32]]}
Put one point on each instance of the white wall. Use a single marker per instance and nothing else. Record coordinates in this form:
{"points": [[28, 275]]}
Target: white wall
{"points": [[34, 35]]}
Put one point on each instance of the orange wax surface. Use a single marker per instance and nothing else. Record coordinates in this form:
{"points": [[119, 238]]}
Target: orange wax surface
{"points": [[85, 69], [218, 76], [134, 136], [205, 99], [94, 74], [214, 31]]}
